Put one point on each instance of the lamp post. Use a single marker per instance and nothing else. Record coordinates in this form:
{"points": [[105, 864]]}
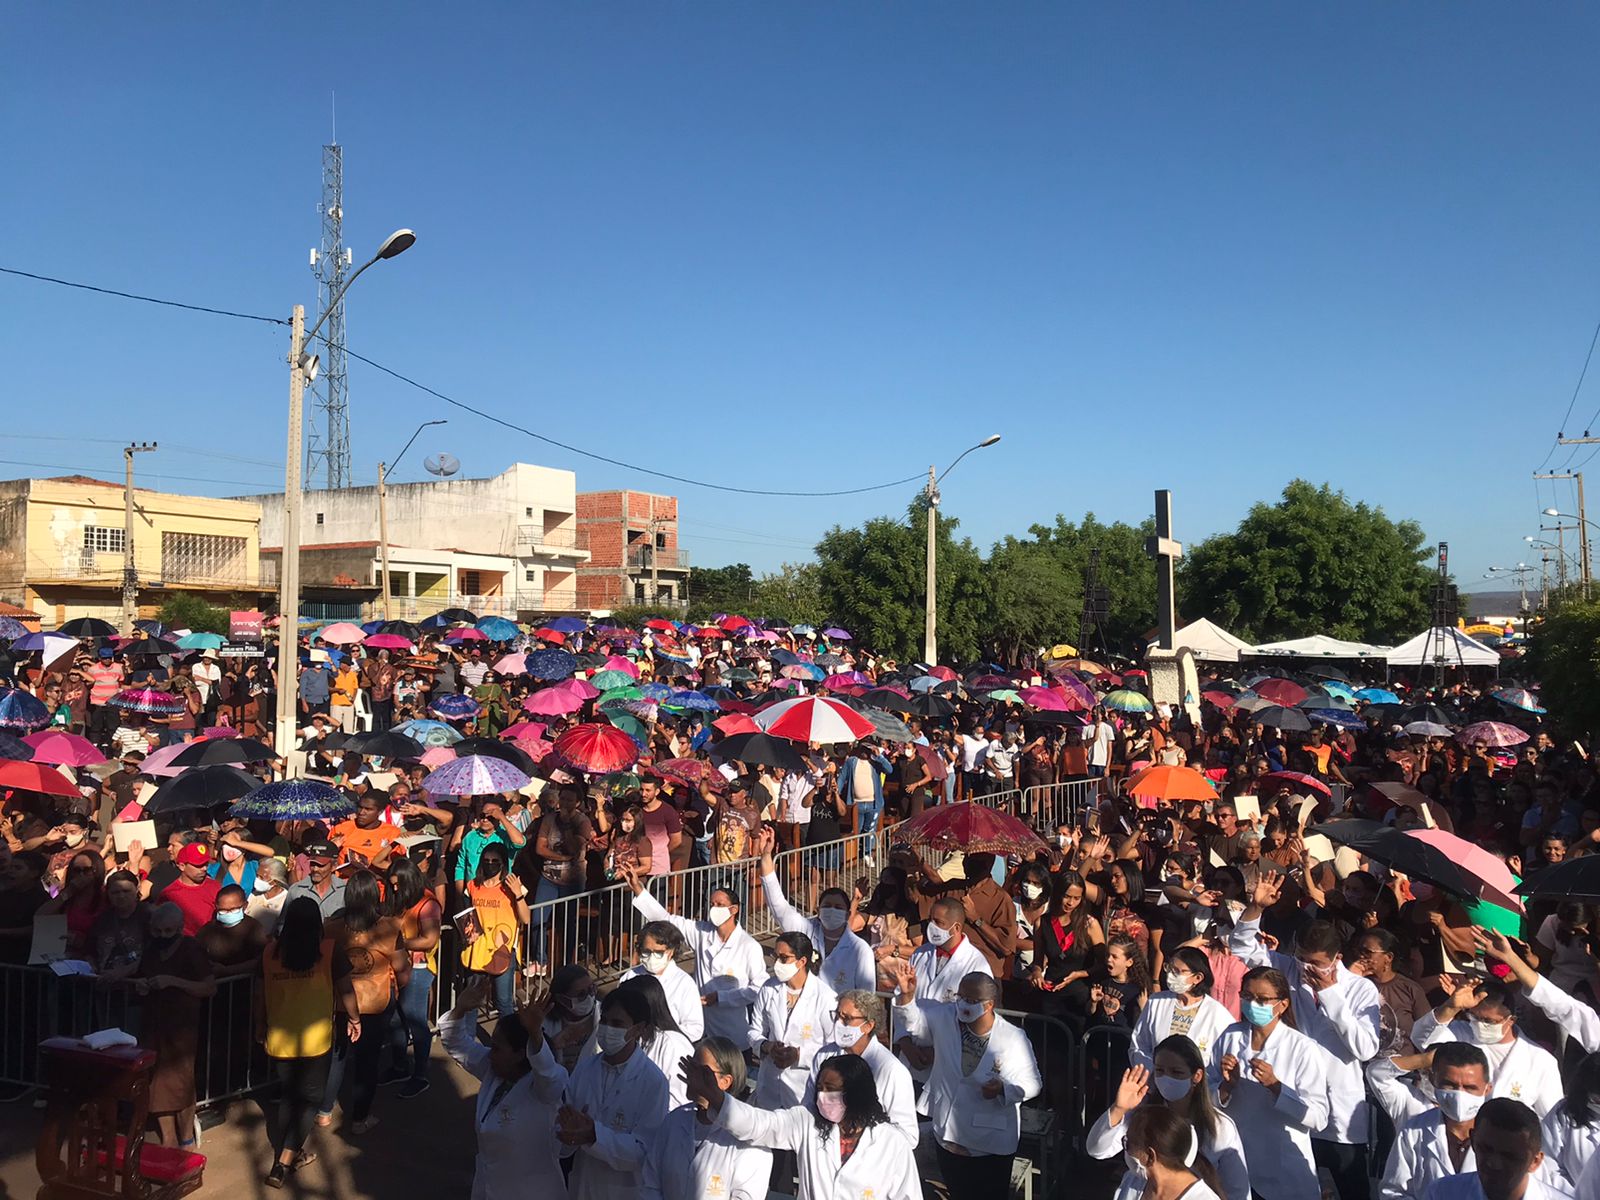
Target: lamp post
{"points": [[302, 370], [1584, 525], [930, 632], [383, 510], [1520, 573]]}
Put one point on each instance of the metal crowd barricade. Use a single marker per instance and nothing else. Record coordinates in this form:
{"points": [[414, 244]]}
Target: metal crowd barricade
{"points": [[1051, 805], [1102, 1058]]}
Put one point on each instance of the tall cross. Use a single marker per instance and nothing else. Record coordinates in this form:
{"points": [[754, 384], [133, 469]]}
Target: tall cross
{"points": [[1166, 552]]}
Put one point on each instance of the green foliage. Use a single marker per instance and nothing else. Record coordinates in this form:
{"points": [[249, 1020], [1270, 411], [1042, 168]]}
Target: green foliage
{"points": [[1126, 572], [1035, 600], [721, 589], [185, 610], [1564, 655], [793, 593], [1312, 563], [631, 616]]}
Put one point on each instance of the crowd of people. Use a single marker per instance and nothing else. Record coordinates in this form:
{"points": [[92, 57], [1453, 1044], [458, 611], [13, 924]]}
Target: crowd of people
{"points": [[1267, 1013]]}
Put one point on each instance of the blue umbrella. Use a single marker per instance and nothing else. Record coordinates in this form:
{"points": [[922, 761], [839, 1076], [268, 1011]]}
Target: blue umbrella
{"points": [[802, 630], [785, 658], [1338, 717], [294, 800], [201, 641], [33, 641], [924, 683], [692, 701], [455, 707], [153, 628], [498, 629], [720, 693], [19, 710], [15, 748], [1375, 695], [11, 628], [655, 691], [1337, 687], [551, 664], [371, 627], [567, 625], [430, 733]]}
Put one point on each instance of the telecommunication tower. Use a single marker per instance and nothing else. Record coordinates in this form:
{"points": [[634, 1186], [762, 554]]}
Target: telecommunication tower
{"points": [[330, 444]]}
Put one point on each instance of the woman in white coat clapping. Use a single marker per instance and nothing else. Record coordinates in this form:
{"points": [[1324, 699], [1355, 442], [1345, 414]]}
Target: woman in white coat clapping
{"points": [[616, 1100], [844, 1143], [792, 1020], [691, 1157]]}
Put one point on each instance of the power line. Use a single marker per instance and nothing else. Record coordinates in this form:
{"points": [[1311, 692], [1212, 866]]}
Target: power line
{"points": [[1582, 375], [89, 287], [114, 475]]}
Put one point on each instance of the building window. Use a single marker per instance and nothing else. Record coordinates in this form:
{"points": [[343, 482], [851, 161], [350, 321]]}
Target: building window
{"points": [[319, 518], [661, 541], [204, 558], [531, 574], [528, 512], [471, 584], [104, 539]]}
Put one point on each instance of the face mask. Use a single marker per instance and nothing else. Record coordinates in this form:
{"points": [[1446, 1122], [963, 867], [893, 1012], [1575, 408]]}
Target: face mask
{"points": [[1032, 891], [611, 1040], [830, 1106], [937, 935], [1458, 1106], [846, 1035], [230, 916], [1135, 1167], [1258, 1014], [1487, 1033], [1173, 1089], [967, 1013], [1179, 983], [627, 827], [74, 839], [833, 919], [1063, 840], [162, 943], [231, 853], [580, 1007], [655, 961], [261, 886], [719, 913], [785, 971]]}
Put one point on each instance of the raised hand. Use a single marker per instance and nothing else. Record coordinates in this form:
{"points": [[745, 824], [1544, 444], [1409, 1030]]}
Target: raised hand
{"points": [[1466, 997], [904, 976], [537, 1005], [1268, 889], [1135, 1086], [701, 1084]]}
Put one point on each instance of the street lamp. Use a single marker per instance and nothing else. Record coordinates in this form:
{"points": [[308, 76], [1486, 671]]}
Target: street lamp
{"points": [[930, 637], [1584, 525], [383, 495], [302, 370]]}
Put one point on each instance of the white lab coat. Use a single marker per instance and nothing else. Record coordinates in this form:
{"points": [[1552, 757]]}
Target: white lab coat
{"points": [[1224, 1150], [1568, 1147], [849, 966], [961, 1115], [683, 998], [939, 979], [883, 1166], [733, 970], [808, 1026], [1572, 1015], [1342, 1018], [1155, 1023], [1527, 1073], [628, 1103], [667, 1050], [1466, 1187], [897, 1092], [690, 1161], [516, 1137], [1276, 1131]]}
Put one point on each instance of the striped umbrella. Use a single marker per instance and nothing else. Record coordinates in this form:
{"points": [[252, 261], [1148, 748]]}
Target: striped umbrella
{"points": [[814, 719]]}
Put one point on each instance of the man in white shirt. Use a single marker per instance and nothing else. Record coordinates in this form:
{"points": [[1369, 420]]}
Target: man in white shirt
{"points": [[206, 676], [1518, 1070], [1100, 737], [973, 748], [1509, 1149]]}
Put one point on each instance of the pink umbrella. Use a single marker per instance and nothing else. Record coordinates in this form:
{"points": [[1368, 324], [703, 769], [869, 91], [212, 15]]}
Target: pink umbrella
{"points": [[512, 664], [536, 748], [219, 731], [581, 688], [524, 729], [159, 762], [846, 679], [436, 756], [466, 635], [1499, 885], [552, 702], [388, 641], [1492, 733], [342, 633], [63, 749], [1043, 698], [617, 663]]}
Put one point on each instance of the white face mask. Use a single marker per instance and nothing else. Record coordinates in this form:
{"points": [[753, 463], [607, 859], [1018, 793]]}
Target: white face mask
{"points": [[937, 935], [1032, 891], [1457, 1105], [75, 839], [610, 1039], [261, 886], [1487, 1033], [655, 961], [581, 1007], [833, 918], [969, 1011], [1173, 1089], [1135, 1167], [1179, 983], [783, 972], [719, 913]]}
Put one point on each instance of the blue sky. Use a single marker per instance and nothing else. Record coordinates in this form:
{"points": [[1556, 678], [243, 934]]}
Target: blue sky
{"points": [[1206, 247]]}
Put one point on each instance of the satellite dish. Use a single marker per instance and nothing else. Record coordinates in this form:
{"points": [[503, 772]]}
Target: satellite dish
{"points": [[442, 465]]}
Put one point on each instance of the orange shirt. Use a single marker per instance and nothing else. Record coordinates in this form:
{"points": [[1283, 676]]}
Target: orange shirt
{"points": [[368, 843]]}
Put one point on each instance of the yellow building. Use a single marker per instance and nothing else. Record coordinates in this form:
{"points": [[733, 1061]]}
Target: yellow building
{"points": [[62, 542]]}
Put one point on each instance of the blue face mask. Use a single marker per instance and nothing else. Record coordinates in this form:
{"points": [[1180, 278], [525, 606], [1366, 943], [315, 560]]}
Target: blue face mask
{"points": [[1258, 1014], [230, 916]]}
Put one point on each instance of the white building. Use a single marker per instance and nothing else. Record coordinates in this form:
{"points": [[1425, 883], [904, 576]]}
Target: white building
{"points": [[508, 546]]}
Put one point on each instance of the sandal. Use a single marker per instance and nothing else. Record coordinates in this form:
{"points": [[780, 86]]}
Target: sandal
{"points": [[324, 1120], [304, 1159]]}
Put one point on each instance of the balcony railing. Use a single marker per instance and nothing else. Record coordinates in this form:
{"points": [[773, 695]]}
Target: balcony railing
{"points": [[537, 539], [668, 558]]}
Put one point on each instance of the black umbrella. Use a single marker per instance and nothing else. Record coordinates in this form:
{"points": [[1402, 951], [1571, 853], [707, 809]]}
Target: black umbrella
{"points": [[385, 744], [201, 787], [455, 614], [1290, 720], [14, 748], [88, 627], [759, 748], [223, 750], [888, 700], [406, 629], [494, 748], [1411, 856], [1575, 879], [1328, 673], [1428, 712], [668, 668], [1050, 716], [930, 705]]}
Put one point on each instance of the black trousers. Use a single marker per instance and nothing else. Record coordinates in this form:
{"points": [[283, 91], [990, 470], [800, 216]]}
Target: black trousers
{"points": [[300, 1083], [976, 1176], [1347, 1165]]}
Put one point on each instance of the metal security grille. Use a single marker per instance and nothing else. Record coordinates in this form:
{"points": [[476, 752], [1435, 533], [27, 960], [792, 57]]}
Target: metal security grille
{"points": [[100, 539], [203, 558]]}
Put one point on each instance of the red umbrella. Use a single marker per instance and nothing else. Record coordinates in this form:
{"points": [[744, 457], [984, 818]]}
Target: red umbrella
{"points": [[693, 772], [554, 636], [945, 673], [661, 625], [1280, 691], [735, 723], [1295, 779], [971, 828], [1220, 699], [36, 777], [733, 621], [597, 749]]}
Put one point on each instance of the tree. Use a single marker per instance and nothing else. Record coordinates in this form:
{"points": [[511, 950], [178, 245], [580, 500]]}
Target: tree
{"points": [[1034, 601], [1564, 655], [793, 593], [185, 610], [720, 589], [1125, 571], [1312, 563]]}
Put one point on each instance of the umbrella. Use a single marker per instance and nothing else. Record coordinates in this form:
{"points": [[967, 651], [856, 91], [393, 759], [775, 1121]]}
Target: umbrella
{"points": [[1043, 697], [551, 664], [1574, 879], [1296, 780], [740, 675], [201, 641], [14, 748], [833, 631], [552, 702], [568, 624], [39, 641], [814, 719], [498, 629], [223, 750], [202, 787], [597, 749], [524, 729], [846, 679], [1280, 691], [1374, 695], [449, 616], [1172, 783], [932, 706], [1427, 712], [294, 800], [1492, 733], [388, 641], [429, 733], [385, 744], [159, 761], [455, 706], [970, 828], [405, 629], [1123, 700], [1388, 845], [691, 702], [1497, 884], [87, 627], [512, 751], [11, 628], [475, 775], [436, 756], [988, 683], [456, 636], [342, 633], [1317, 698], [22, 710], [888, 726], [147, 700], [693, 771], [1518, 698], [655, 691], [63, 749], [803, 671], [733, 622], [610, 680], [36, 777], [618, 663], [581, 688], [735, 723], [888, 699], [1290, 720], [1428, 729], [759, 749], [1339, 718], [512, 664], [1006, 694], [661, 625], [1220, 699]]}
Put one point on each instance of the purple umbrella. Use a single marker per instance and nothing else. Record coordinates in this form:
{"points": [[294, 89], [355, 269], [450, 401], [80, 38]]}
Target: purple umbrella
{"points": [[455, 706], [475, 775], [10, 627], [835, 632], [567, 625]]}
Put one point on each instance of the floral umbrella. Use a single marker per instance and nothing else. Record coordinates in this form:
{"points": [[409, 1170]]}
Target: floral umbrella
{"points": [[475, 775], [147, 700], [551, 664], [294, 800], [1492, 733], [21, 710], [693, 772], [970, 828], [455, 707]]}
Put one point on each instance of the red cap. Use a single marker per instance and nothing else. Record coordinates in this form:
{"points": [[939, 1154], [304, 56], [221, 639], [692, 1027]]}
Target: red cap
{"points": [[194, 855]]}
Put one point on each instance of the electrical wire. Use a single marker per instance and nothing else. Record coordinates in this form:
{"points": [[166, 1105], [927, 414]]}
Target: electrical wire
{"points": [[89, 287], [1562, 428], [117, 476]]}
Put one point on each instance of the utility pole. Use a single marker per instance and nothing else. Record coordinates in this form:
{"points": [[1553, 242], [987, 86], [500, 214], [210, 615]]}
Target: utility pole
{"points": [[930, 634], [1584, 569], [655, 562], [289, 572], [383, 536], [130, 572]]}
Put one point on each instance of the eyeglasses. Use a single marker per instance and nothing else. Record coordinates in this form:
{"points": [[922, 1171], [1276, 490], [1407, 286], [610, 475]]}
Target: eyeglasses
{"points": [[851, 1019]]}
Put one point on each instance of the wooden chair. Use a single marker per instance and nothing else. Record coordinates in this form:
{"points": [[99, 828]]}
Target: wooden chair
{"points": [[92, 1143]]}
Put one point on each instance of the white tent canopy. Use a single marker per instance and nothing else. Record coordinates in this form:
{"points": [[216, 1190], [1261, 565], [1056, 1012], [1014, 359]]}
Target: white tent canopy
{"points": [[1209, 642], [1321, 646], [1455, 647]]}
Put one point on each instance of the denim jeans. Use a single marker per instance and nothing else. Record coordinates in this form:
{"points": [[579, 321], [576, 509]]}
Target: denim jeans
{"points": [[361, 1059], [565, 921], [410, 1024]]}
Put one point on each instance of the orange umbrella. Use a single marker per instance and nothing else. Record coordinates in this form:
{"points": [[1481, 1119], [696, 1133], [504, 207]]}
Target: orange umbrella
{"points": [[1172, 783]]}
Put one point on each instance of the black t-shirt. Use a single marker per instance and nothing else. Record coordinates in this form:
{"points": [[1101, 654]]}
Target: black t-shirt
{"points": [[17, 908]]}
